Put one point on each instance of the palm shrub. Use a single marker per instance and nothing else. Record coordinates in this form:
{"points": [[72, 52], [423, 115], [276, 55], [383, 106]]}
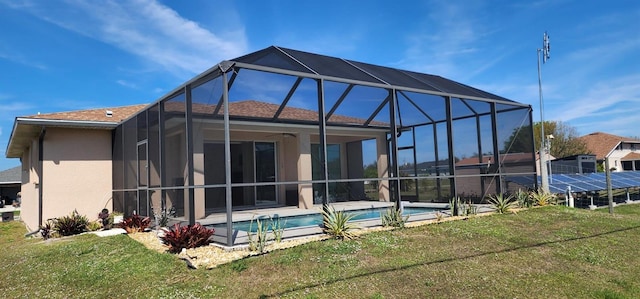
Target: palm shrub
{"points": [[336, 223], [189, 236], [71, 225], [501, 203], [135, 223], [542, 198], [393, 217]]}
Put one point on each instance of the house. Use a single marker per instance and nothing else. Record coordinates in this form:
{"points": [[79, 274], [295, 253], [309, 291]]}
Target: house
{"points": [[10, 180], [277, 127], [66, 161], [623, 153]]}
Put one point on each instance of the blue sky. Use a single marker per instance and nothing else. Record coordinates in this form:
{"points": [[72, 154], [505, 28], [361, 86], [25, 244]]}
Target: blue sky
{"points": [[70, 55]]}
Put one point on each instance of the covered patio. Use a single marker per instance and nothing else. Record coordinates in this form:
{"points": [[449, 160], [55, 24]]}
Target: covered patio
{"points": [[285, 128]]}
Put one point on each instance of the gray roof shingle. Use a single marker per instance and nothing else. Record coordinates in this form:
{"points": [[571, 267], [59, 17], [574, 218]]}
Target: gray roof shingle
{"points": [[11, 175]]}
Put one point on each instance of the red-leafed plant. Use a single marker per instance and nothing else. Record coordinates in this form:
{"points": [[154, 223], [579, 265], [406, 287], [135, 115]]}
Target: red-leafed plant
{"points": [[189, 236], [135, 223]]}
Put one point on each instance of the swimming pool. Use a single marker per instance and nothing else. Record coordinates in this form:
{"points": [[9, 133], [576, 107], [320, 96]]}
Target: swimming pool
{"points": [[316, 219]]}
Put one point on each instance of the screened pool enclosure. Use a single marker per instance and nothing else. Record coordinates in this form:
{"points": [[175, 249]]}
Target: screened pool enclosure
{"points": [[281, 127]]}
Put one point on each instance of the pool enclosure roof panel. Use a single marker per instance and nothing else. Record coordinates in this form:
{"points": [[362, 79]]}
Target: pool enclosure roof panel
{"points": [[278, 58]]}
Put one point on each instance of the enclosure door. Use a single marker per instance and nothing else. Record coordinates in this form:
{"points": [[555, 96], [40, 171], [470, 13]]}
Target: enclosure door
{"points": [[337, 191], [143, 180], [265, 171]]}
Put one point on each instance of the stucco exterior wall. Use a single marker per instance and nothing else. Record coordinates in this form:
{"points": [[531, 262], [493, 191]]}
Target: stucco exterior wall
{"points": [[76, 172], [29, 188]]}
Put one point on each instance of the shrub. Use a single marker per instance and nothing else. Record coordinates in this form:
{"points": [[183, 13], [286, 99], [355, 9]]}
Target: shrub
{"points": [[277, 228], [46, 230], [501, 203], [336, 223], [259, 239], [439, 216], [542, 198], [71, 225], [454, 206], [468, 209], [524, 199], [94, 226], [189, 236], [135, 223], [393, 217]]}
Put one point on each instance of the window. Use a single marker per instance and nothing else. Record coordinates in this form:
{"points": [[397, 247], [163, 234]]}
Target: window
{"points": [[627, 165]]}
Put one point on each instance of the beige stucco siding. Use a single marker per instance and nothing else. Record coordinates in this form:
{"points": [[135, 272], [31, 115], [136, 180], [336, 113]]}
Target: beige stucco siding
{"points": [[77, 172], [29, 188]]}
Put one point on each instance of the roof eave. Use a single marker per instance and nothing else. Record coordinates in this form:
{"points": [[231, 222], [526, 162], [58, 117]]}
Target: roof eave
{"points": [[14, 150], [612, 149], [67, 123]]}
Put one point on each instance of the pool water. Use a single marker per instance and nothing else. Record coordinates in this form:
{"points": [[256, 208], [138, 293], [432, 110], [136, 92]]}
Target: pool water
{"points": [[316, 219]]}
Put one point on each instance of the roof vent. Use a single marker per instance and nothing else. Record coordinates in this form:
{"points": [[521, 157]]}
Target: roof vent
{"points": [[109, 113]]}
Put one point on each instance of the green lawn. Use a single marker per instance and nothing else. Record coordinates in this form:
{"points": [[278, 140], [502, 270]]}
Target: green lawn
{"points": [[552, 252]]}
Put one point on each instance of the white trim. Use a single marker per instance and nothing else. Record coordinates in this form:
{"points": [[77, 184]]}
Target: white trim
{"points": [[66, 123]]}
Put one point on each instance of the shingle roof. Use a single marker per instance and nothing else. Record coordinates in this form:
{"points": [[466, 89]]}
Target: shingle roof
{"points": [[11, 175], [601, 143], [28, 127], [506, 158], [258, 109], [631, 157], [100, 114]]}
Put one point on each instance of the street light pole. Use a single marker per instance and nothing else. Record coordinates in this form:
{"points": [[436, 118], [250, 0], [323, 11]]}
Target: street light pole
{"points": [[543, 165]]}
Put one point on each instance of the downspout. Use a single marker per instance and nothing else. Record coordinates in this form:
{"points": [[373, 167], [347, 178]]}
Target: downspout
{"points": [[43, 131]]}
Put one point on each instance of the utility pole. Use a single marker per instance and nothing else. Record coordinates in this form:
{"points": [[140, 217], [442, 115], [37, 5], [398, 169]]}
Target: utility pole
{"points": [[543, 159]]}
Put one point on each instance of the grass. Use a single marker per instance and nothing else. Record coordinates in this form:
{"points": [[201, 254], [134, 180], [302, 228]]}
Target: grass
{"points": [[550, 252]]}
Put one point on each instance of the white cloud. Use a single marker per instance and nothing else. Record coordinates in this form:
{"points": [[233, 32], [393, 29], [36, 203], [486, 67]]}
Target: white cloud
{"points": [[145, 28], [450, 34], [13, 107], [127, 84], [606, 94], [19, 59]]}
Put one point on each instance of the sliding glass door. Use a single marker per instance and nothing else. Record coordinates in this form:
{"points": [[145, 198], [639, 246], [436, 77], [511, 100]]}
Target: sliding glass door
{"points": [[251, 162]]}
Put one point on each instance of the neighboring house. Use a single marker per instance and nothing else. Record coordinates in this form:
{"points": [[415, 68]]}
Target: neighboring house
{"points": [[66, 161], [10, 181], [623, 152], [272, 128]]}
